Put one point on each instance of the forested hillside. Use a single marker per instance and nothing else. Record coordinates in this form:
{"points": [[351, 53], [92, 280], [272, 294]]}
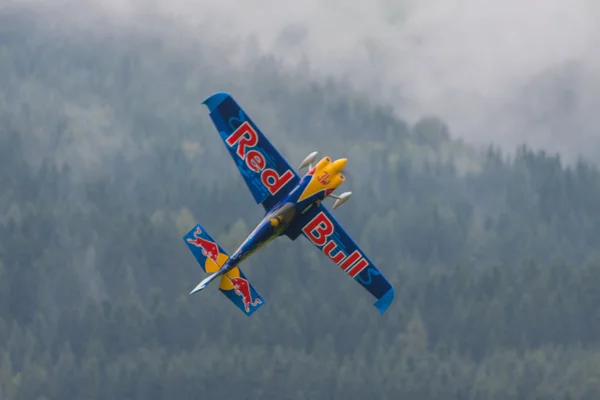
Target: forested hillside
{"points": [[107, 158]]}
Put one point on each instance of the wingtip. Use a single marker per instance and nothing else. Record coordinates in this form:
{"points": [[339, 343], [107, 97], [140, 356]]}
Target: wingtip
{"points": [[385, 301], [213, 101]]}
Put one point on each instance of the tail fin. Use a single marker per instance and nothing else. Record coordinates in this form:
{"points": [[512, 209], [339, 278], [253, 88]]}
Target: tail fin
{"points": [[211, 257]]}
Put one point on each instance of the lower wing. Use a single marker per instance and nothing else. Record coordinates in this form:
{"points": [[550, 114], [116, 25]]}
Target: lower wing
{"points": [[324, 231]]}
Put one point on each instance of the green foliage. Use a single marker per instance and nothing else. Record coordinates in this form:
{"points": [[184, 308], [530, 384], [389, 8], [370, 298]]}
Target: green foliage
{"points": [[107, 158]]}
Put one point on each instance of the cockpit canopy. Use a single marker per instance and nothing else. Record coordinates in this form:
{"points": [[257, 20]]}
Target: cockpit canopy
{"points": [[282, 216]]}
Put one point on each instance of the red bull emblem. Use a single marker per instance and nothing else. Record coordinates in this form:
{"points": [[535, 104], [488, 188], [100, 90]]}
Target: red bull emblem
{"points": [[246, 137], [324, 178], [209, 249], [242, 289], [318, 231]]}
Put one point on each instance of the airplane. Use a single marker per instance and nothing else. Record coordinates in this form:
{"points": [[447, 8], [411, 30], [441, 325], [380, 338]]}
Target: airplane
{"points": [[293, 207]]}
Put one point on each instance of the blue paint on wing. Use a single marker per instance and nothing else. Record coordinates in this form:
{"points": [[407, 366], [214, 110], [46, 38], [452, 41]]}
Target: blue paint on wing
{"points": [[384, 301], [370, 272], [212, 102], [227, 116]]}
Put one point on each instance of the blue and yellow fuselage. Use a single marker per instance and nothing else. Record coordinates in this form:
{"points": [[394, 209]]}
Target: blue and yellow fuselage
{"points": [[320, 181]]}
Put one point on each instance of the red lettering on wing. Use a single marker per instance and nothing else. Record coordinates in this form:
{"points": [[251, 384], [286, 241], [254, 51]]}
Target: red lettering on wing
{"points": [[246, 136], [352, 258], [318, 229], [273, 181], [329, 248], [255, 161], [358, 267]]}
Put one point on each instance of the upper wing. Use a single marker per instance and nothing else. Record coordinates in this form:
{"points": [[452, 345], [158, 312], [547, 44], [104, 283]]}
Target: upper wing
{"points": [[324, 231], [267, 174]]}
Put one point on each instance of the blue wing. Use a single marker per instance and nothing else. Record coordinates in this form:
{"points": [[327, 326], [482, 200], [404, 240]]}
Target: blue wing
{"points": [[267, 174], [324, 231]]}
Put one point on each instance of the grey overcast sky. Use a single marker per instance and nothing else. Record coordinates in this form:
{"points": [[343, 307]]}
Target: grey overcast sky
{"points": [[503, 71]]}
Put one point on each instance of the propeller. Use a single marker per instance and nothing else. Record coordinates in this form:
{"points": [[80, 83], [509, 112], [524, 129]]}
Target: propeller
{"points": [[348, 179]]}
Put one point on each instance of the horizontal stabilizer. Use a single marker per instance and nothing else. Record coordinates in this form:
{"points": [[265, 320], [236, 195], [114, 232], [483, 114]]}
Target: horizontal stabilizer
{"points": [[209, 254], [240, 291], [211, 257]]}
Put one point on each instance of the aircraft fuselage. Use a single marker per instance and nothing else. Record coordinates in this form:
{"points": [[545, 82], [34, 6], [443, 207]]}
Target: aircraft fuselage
{"points": [[314, 187]]}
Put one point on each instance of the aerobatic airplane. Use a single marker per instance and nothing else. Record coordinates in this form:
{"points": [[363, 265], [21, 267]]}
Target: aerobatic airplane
{"points": [[293, 207]]}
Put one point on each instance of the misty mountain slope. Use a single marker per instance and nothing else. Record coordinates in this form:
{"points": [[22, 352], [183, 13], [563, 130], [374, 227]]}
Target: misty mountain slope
{"points": [[124, 109], [487, 68], [108, 158], [127, 82]]}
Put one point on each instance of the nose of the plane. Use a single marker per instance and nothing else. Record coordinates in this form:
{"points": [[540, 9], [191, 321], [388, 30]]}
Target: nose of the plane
{"points": [[340, 164]]}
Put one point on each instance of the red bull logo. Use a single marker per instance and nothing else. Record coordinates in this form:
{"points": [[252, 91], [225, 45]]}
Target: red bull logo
{"points": [[241, 287], [246, 138], [209, 249], [318, 231]]}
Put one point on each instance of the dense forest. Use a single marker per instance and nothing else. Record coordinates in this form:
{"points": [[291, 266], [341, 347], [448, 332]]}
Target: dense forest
{"points": [[107, 158]]}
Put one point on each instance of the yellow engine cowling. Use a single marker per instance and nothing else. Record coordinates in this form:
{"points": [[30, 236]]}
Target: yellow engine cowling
{"points": [[329, 173]]}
